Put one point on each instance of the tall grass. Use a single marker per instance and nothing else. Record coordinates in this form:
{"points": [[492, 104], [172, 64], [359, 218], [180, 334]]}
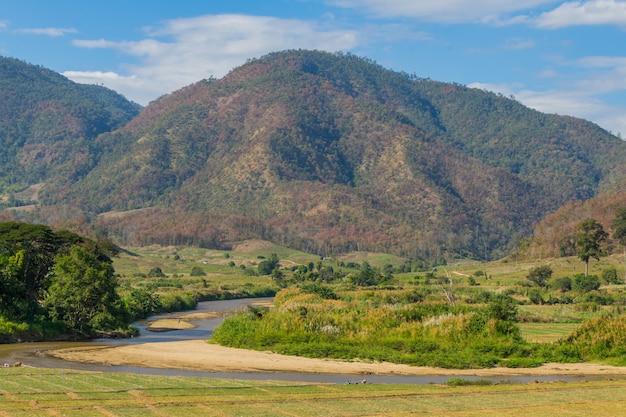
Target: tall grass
{"points": [[600, 338], [367, 328]]}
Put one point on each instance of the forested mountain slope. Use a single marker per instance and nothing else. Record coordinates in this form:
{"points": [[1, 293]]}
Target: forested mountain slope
{"points": [[331, 153], [48, 123]]}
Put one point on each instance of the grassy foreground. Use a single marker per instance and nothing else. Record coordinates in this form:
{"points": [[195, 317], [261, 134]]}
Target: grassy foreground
{"points": [[42, 392]]}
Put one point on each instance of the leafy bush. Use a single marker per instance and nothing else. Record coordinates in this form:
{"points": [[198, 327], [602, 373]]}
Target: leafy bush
{"points": [[156, 272], [609, 276], [540, 275], [563, 284], [535, 297], [177, 302], [323, 291], [585, 283], [196, 271], [502, 308]]}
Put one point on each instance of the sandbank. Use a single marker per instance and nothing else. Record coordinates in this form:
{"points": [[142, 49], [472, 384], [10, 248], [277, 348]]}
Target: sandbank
{"points": [[199, 355]]}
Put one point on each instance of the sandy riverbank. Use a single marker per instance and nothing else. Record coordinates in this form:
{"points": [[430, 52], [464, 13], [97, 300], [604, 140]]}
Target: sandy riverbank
{"points": [[202, 356]]}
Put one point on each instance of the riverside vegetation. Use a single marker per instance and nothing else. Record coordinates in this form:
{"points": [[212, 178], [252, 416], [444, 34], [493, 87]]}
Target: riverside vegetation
{"points": [[360, 306]]}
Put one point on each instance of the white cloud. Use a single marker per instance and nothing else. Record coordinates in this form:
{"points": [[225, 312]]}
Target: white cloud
{"points": [[593, 12], [184, 51], [133, 87], [443, 11], [53, 32]]}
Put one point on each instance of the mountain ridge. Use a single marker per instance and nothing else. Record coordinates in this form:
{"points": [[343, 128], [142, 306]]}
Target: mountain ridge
{"points": [[334, 152], [48, 123]]}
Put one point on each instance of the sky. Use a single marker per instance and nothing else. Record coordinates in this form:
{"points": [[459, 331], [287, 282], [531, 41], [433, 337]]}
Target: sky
{"points": [[561, 57]]}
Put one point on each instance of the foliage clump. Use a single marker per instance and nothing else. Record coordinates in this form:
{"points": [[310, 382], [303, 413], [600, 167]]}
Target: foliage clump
{"points": [[55, 283]]}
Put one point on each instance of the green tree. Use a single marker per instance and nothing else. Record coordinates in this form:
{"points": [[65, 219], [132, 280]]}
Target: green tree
{"points": [[590, 241], [28, 253], [267, 266], [502, 307], [540, 275], [141, 303], [83, 292]]}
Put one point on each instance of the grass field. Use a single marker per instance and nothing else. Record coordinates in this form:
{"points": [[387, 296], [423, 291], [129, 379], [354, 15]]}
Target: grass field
{"points": [[546, 332], [48, 392]]}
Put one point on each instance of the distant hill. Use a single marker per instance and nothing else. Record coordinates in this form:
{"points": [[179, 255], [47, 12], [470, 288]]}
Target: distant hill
{"points": [[48, 124], [332, 153]]}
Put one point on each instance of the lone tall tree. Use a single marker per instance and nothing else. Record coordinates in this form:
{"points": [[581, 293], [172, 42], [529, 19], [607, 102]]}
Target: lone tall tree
{"points": [[589, 241]]}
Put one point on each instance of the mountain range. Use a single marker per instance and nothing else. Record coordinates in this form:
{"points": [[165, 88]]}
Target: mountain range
{"points": [[325, 152]]}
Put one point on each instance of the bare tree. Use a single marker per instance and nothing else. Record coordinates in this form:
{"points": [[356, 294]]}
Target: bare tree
{"points": [[447, 286]]}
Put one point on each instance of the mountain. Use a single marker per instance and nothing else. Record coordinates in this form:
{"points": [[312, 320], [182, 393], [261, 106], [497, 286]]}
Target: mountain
{"points": [[47, 125], [332, 153]]}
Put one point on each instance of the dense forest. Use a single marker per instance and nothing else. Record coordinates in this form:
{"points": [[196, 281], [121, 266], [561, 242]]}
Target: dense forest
{"points": [[48, 124], [331, 153]]}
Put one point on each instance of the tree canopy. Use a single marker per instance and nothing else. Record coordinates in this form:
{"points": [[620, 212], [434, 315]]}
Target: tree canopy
{"points": [[589, 241], [58, 276]]}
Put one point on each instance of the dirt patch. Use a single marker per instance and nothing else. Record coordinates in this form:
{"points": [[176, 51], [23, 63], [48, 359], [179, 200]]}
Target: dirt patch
{"points": [[199, 316], [165, 325], [202, 356], [182, 322]]}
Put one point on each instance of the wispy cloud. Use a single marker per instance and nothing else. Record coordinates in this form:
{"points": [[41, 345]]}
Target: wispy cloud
{"points": [[183, 51], [441, 11], [593, 12], [519, 43], [53, 32]]}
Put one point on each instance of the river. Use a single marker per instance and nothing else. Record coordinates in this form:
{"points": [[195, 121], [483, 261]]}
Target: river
{"points": [[35, 354]]}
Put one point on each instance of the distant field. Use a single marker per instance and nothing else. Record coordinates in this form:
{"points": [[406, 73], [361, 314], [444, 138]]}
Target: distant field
{"points": [[546, 332], [26, 392]]}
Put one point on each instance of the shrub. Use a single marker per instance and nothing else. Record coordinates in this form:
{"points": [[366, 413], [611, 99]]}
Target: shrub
{"points": [[563, 284], [177, 302], [540, 275], [156, 272], [196, 271], [461, 382], [609, 275], [535, 297], [502, 308], [325, 292], [585, 283]]}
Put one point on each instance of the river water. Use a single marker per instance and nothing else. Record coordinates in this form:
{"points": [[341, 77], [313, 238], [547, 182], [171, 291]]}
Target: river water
{"points": [[34, 354]]}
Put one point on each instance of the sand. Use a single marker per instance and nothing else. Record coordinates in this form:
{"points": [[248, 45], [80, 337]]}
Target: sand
{"points": [[202, 356]]}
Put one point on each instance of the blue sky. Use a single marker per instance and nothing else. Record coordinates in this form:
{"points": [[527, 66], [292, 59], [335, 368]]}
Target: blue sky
{"points": [[564, 57]]}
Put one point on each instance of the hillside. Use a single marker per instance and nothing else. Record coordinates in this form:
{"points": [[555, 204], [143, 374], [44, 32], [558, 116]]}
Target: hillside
{"points": [[333, 153], [48, 124]]}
